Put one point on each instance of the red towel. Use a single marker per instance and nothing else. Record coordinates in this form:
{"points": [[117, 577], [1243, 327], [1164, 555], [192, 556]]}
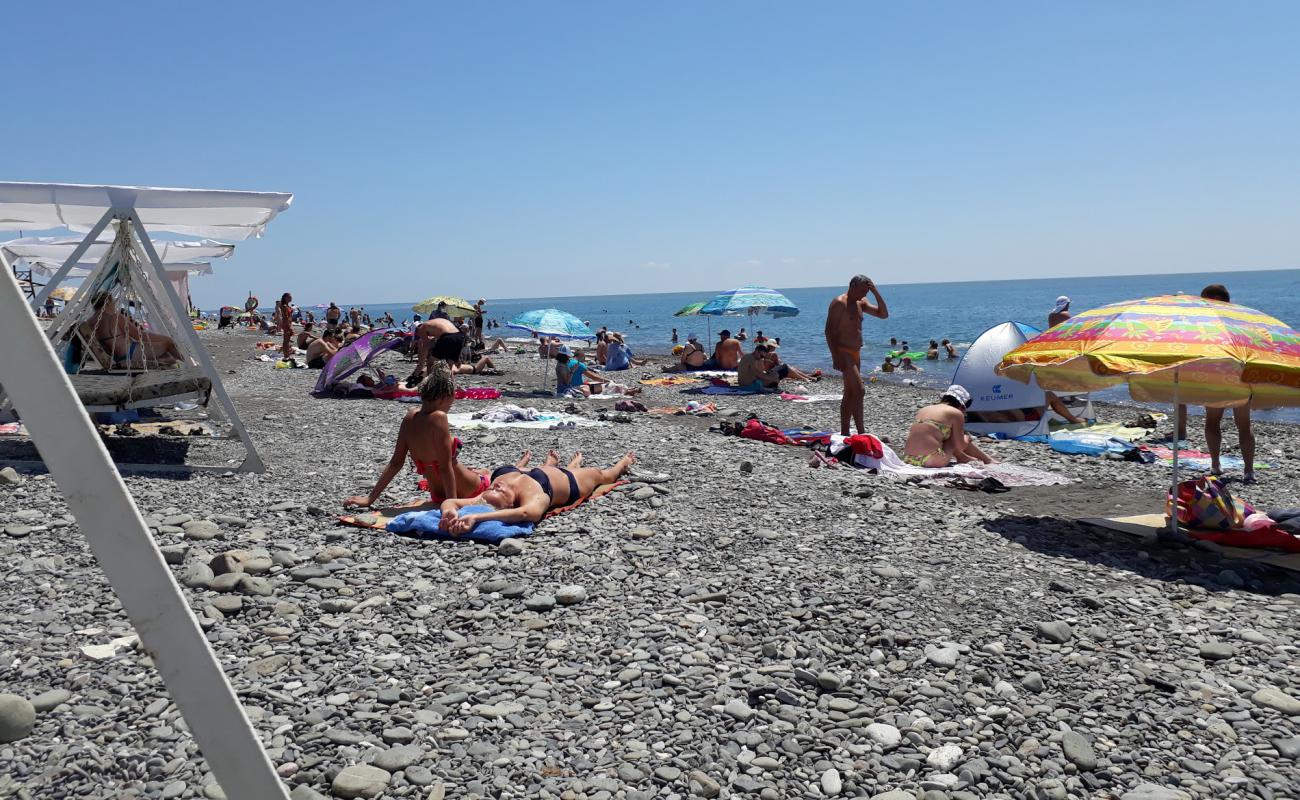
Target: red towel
{"points": [[864, 444]]}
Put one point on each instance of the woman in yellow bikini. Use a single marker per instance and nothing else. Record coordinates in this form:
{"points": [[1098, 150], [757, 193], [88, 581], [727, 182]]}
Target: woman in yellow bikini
{"points": [[939, 436]]}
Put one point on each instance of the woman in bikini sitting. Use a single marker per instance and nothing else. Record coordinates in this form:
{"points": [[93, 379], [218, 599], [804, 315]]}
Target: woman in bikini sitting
{"points": [[525, 495], [425, 435], [939, 436], [126, 342]]}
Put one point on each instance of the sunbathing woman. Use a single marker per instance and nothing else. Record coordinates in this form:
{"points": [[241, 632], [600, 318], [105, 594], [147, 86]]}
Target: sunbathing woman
{"points": [[483, 366], [525, 496], [126, 342], [939, 436], [425, 436]]}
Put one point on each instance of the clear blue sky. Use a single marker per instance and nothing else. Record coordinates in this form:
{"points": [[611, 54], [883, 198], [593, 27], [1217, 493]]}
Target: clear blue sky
{"points": [[516, 149]]}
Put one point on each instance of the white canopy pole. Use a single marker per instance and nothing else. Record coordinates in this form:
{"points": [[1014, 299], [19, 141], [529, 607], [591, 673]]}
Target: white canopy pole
{"points": [[252, 461], [120, 541]]}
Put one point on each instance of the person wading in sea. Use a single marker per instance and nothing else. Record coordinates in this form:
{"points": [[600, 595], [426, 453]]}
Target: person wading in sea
{"points": [[844, 338]]}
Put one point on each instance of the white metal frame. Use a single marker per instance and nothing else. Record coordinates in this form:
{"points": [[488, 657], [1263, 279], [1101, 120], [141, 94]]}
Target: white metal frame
{"points": [[120, 541], [153, 273]]}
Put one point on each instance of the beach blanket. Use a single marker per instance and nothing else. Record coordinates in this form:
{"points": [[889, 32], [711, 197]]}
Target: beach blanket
{"points": [[1198, 461], [890, 465], [694, 408], [723, 390], [404, 395], [809, 398], [1149, 527], [12, 429], [378, 518], [546, 421], [672, 380]]}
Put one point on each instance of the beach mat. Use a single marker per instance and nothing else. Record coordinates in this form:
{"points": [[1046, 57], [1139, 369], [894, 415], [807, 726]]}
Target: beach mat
{"points": [[547, 421], [722, 390], [378, 518], [1149, 526], [1199, 461], [672, 380]]}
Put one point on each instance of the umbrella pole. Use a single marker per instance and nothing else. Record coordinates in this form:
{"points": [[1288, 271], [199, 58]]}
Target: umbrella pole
{"points": [[1173, 516]]}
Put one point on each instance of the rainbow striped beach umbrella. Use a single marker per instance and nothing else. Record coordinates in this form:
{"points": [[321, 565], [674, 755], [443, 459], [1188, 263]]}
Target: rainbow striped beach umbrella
{"points": [[1172, 349]]}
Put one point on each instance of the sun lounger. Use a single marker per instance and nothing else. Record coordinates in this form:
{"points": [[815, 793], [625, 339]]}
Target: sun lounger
{"points": [[116, 392]]}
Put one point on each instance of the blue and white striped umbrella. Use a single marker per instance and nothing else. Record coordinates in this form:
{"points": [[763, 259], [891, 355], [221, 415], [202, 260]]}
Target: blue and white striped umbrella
{"points": [[552, 322], [751, 300]]}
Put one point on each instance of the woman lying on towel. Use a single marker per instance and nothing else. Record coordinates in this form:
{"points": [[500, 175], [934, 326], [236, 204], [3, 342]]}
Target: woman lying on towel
{"points": [[939, 436], [525, 495], [425, 435]]}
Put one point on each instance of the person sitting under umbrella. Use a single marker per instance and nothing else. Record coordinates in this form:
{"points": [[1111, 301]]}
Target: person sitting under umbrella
{"points": [[618, 356], [520, 496], [726, 354], [573, 377]]}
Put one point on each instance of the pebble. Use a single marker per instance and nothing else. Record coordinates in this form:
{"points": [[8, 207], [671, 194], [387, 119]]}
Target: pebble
{"points": [[1217, 651], [540, 602], [884, 734], [831, 782], [944, 758], [1152, 791], [570, 595], [1277, 700], [1055, 631], [10, 477], [511, 547], [360, 780], [47, 701], [1032, 682], [17, 718], [1078, 751]]}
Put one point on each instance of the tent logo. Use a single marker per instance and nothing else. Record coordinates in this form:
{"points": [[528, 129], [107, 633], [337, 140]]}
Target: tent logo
{"points": [[995, 394], [996, 388]]}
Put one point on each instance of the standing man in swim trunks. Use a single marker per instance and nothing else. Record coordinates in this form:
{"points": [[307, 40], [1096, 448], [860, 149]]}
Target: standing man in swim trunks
{"points": [[844, 338], [437, 339]]}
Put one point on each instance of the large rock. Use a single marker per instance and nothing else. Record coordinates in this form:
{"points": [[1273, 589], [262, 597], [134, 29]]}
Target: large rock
{"points": [[1055, 631], [17, 718], [360, 780], [10, 477], [1079, 751], [1151, 791], [1277, 700], [883, 734]]}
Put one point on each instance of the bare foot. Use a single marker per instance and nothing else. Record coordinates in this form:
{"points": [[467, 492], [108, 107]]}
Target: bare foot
{"points": [[576, 461], [552, 459], [625, 463], [524, 459]]}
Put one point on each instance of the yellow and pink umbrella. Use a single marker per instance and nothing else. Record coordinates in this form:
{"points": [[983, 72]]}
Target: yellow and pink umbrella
{"points": [[1171, 349]]}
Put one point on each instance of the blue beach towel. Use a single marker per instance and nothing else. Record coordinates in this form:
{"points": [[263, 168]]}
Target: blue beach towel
{"points": [[424, 525]]}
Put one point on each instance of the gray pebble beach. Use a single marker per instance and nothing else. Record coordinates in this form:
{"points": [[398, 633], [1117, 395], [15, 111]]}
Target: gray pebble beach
{"points": [[732, 623]]}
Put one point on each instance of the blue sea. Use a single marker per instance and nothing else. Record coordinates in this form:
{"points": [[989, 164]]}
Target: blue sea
{"points": [[918, 312]]}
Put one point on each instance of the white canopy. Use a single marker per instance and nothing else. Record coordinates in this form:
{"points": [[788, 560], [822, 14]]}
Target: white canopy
{"points": [[56, 249], [190, 212], [84, 268]]}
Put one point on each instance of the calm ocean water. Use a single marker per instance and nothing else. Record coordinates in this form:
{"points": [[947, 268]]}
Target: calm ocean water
{"points": [[918, 313]]}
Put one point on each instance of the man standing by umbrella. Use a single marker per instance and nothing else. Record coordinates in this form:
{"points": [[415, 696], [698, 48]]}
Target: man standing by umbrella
{"points": [[844, 338]]}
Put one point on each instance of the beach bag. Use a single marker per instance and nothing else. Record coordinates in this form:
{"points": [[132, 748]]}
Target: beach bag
{"points": [[1207, 503]]}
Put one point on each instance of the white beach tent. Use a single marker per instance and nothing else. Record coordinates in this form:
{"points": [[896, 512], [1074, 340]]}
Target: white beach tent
{"points": [[991, 392], [79, 462], [134, 212]]}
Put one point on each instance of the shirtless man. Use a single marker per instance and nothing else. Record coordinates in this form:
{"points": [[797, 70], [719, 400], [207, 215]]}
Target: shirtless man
{"points": [[320, 351], [437, 339], [127, 343], [305, 336], [844, 338], [727, 353]]}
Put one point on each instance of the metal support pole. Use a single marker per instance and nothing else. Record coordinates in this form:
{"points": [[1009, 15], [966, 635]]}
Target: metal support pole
{"points": [[1173, 517], [97, 497]]}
